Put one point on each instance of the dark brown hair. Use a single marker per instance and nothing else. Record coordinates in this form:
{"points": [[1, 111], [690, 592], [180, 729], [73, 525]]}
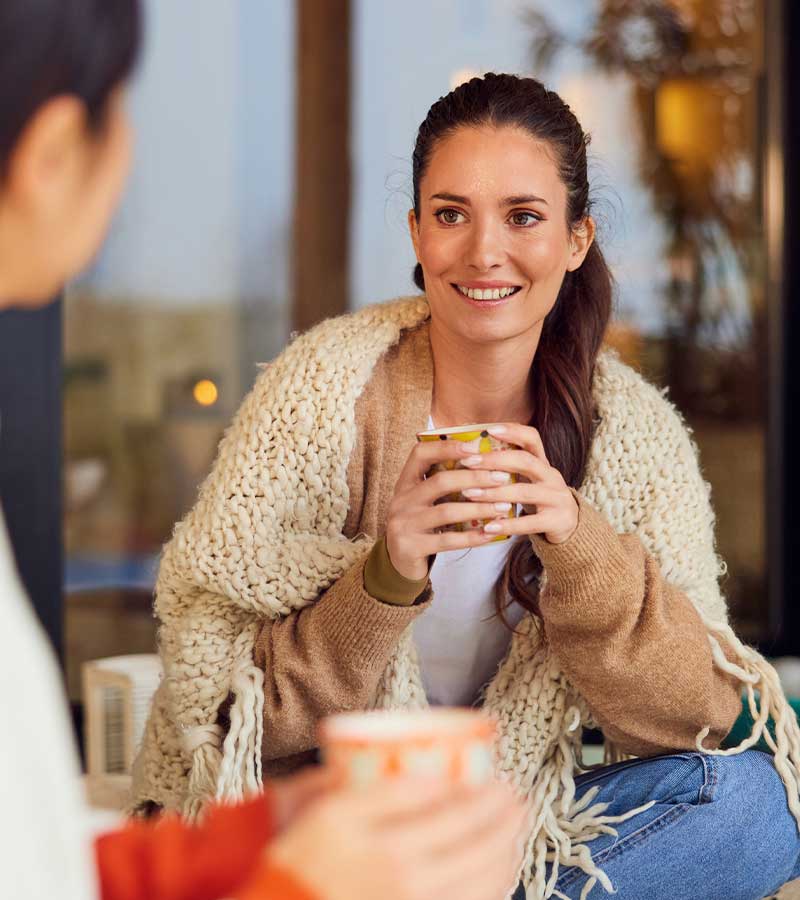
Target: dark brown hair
{"points": [[562, 370], [52, 47]]}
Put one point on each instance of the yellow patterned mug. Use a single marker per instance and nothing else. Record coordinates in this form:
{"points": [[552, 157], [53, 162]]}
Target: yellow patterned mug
{"points": [[448, 743], [482, 442]]}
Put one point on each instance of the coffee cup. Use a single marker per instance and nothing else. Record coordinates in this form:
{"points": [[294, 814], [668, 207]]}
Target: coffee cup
{"points": [[480, 441], [450, 743]]}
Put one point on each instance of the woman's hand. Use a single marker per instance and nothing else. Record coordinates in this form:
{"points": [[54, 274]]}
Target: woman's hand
{"points": [[408, 839], [414, 515], [549, 505]]}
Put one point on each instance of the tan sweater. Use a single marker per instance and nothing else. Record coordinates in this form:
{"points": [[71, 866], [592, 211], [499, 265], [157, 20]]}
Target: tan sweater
{"points": [[632, 644]]}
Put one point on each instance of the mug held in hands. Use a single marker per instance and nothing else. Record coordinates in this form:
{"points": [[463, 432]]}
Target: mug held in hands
{"points": [[480, 441]]}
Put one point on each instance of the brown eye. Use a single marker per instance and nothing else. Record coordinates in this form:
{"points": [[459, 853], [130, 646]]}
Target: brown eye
{"points": [[448, 216], [524, 219]]}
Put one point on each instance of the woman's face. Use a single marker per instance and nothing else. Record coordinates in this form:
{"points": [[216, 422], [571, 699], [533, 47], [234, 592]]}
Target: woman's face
{"points": [[64, 183], [492, 235]]}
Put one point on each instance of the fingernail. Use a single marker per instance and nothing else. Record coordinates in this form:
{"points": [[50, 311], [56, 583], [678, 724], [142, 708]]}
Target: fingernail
{"points": [[500, 476], [471, 461], [491, 527], [497, 429], [502, 507], [472, 492]]}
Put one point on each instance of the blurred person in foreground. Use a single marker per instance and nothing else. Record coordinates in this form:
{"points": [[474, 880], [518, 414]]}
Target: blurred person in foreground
{"points": [[64, 157]]}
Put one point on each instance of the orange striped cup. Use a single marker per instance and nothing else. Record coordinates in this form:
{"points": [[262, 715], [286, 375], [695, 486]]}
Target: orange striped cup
{"points": [[366, 747], [482, 442]]}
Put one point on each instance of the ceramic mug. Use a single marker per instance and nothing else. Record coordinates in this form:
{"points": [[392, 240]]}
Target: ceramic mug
{"points": [[447, 742], [481, 442]]}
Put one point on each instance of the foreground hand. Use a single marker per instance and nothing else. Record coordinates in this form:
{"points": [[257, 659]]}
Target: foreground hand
{"points": [[550, 508], [406, 839], [293, 794]]}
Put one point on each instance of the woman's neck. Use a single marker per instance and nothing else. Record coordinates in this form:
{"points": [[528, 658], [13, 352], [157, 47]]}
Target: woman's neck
{"points": [[486, 382]]}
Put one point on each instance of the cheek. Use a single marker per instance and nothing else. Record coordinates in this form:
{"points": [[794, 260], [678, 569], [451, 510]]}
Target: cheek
{"points": [[542, 256], [439, 250]]}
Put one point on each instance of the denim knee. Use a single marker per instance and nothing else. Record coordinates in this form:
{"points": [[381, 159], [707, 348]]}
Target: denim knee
{"points": [[756, 817], [728, 815], [688, 777]]}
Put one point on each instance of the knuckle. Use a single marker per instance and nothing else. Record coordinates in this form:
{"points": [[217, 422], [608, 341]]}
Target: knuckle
{"points": [[442, 514], [449, 540]]}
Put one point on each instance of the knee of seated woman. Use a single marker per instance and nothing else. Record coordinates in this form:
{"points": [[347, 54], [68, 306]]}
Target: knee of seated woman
{"points": [[750, 778], [754, 815], [675, 778], [697, 778]]}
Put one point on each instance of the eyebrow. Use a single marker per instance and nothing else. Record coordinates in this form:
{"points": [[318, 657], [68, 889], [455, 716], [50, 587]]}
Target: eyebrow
{"points": [[507, 201]]}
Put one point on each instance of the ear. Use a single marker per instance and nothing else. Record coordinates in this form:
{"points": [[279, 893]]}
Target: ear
{"points": [[413, 228], [580, 240], [48, 148]]}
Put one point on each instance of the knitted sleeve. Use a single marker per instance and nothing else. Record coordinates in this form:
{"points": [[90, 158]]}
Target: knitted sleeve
{"points": [[632, 643], [324, 659], [621, 610]]}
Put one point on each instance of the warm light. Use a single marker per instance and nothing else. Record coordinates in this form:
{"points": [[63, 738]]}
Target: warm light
{"points": [[205, 392], [689, 123]]}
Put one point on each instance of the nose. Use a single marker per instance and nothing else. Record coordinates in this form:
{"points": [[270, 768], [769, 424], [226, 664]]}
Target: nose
{"points": [[485, 249]]}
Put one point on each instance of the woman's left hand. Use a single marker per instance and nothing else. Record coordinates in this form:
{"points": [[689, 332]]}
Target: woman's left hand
{"points": [[550, 508]]}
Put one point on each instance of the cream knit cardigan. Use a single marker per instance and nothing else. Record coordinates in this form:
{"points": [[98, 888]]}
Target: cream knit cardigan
{"points": [[265, 538]]}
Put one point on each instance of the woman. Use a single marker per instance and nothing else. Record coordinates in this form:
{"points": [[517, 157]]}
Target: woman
{"points": [[314, 562], [64, 155]]}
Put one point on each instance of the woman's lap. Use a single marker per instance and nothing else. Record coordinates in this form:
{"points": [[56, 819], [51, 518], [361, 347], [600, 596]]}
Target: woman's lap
{"points": [[720, 829]]}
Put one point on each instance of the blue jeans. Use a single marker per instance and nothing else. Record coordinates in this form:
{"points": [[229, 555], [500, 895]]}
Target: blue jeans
{"points": [[720, 829]]}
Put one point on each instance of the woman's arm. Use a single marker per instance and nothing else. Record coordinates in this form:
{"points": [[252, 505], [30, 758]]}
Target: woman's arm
{"points": [[326, 658], [631, 642], [621, 610]]}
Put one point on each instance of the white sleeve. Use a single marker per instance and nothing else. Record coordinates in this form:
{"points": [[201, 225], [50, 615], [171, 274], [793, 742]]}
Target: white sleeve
{"points": [[45, 849]]}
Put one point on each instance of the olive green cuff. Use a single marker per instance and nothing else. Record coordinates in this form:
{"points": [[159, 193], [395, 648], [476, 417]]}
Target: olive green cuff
{"points": [[383, 582]]}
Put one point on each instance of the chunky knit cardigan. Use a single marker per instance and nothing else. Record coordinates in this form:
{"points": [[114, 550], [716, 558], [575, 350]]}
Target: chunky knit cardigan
{"points": [[266, 538]]}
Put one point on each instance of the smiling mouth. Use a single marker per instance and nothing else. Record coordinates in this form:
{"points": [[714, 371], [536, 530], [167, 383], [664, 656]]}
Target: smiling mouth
{"points": [[487, 293]]}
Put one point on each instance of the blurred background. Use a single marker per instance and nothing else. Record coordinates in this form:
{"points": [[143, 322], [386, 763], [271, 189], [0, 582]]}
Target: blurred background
{"points": [[270, 189]]}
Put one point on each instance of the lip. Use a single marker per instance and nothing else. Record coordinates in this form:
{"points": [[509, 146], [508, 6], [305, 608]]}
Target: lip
{"points": [[486, 285]]}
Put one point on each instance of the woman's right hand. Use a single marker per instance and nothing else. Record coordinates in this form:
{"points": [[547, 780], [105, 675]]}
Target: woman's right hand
{"points": [[414, 515], [406, 840]]}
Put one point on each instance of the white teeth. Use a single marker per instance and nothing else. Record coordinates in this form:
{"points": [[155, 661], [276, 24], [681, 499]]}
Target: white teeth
{"points": [[477, 294]]}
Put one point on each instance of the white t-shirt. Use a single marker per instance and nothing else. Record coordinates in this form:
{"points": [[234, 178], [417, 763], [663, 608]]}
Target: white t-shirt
{"points": [[45, 847], [460, 639]]}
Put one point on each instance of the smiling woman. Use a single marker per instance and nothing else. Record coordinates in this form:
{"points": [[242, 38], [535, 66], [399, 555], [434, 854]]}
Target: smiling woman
{"points": [[318, 571], [496, 236]]}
